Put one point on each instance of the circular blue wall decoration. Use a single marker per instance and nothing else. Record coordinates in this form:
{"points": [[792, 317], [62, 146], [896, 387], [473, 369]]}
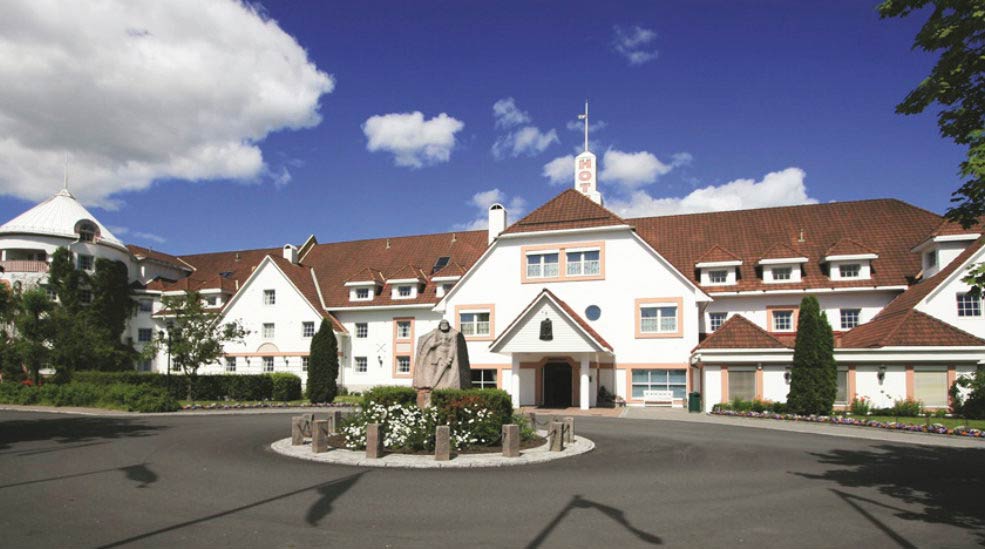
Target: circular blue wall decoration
{"points": [[593, 312]]}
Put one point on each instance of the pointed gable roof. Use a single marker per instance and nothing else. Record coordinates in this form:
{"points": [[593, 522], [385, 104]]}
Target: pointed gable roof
{"points": [[452, 270], [908, 328], [568, 210], [407, 272], [717, 254], [848, 246], [580, 323], [738, 332], [780, 251], [367, 275]]}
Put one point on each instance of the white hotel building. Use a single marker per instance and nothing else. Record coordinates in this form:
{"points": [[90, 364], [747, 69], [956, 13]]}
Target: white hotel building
{"points": [[703, 302]]}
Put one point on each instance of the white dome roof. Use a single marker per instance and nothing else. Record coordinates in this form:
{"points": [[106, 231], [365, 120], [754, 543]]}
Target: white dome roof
{"points": [[58, 216]]}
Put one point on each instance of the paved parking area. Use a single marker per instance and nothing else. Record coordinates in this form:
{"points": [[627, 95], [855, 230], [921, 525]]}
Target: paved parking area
{"points": [[84, 481]]}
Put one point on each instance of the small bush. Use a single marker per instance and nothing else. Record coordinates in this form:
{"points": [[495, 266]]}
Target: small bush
{"points": [[285, 387], [861, 406], [527, 431], [906, 408], [388, 395], [450, 401]]}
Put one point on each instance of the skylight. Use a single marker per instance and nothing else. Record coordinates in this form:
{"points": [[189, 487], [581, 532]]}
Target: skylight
{"points": [[441, 263]]}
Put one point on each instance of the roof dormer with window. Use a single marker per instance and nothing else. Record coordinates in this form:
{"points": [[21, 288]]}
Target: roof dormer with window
{"points": [[406, 283], [944, 245], [718, 267], [849, 260], [782, 265], [365, 285]]}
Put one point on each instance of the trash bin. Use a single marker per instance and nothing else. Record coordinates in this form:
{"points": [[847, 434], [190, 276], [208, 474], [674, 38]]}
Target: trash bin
{"points": [[694, 402]]}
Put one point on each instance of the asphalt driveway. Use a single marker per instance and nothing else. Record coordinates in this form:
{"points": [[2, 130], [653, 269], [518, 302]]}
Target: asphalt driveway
{"points": [[212, 481]]}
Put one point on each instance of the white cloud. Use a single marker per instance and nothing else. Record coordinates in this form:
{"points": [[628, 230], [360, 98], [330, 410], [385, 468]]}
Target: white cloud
{"points": [[515, 209], [151, 237], [507, 114], [783, 188], [413, 141], [560, 170], [136, 92], [631, 169], [579, 126], [633, 44]]}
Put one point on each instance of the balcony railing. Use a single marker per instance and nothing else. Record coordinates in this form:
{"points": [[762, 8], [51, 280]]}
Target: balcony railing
{"points": [[24, 266]]}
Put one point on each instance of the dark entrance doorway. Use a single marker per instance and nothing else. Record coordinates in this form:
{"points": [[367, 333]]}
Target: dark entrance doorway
{"points": [[557, 385]]}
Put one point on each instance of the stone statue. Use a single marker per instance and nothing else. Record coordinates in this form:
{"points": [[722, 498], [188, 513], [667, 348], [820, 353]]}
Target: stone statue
{"points": [[442, 362]]}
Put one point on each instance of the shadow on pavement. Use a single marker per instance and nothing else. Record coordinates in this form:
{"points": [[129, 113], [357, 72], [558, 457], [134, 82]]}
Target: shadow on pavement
{"points": [[140, 473], [946, 482], [578, 502], [70, 430]]}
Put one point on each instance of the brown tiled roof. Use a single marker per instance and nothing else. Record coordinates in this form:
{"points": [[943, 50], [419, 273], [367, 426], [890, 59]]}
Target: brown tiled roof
{"points": [[780, 251], [406, 272], [716, 254], [452, 269], [738, 332], [367, 274], [568, 210], [146, 253], [948, 228], [301, 277], [238, 264], [848, 246], [889, 227]]}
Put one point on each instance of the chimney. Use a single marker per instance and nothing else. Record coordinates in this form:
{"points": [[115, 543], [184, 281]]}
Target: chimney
{"points": [[497, 221], [291, 253]]}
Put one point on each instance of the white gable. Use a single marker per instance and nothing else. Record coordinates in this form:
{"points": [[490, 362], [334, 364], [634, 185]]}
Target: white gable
{"points": [[524, 336]]}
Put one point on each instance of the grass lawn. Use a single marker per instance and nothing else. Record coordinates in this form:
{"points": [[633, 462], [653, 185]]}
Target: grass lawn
{"points": [[949, 422]]}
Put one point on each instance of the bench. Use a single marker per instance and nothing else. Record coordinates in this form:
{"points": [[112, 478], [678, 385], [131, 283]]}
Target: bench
{"points": [[658, 397]]}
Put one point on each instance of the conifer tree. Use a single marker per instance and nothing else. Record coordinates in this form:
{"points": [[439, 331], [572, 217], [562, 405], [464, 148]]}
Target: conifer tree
{"points": [[814, 375], [323, 365]]}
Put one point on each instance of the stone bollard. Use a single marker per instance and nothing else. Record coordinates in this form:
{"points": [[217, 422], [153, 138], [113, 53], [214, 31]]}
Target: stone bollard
{"points": [[442, 443], [556, 435], [319, 436], [306, 424], [374, 441], [335, 421], [569, 430], [511, 441], [297, 433]]}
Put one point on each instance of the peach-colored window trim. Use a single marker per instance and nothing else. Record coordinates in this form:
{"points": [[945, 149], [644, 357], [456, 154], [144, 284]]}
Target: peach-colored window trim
{"points": [[851, 384], [794, 318], [485, 307], [909, 382], [410, 340], [952, 376], [724, 384], [759, 383], [562, 268], [499, 371], [678, 301], [659, 366]]}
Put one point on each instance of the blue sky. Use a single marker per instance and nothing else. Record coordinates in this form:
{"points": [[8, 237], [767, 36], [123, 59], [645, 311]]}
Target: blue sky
{"points": [[745, 89]]}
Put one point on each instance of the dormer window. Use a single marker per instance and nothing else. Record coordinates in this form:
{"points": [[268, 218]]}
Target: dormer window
{"points": [[782, 274], [718, 276], [361, 293], [403, 291], [849, 270], [718, 267], [87, 231], [930, 259]]}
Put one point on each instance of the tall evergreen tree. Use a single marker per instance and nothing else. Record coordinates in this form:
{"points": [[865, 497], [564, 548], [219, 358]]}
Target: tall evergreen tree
{"points": [[814, 375], [323, 365]]}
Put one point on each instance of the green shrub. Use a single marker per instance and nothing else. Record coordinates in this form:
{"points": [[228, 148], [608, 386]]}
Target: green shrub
{"points": [[388, 395], [971, 406], [778, 407], [450, 401], [814, 374], [527, 431], [207, 387], [285, 387], [861, 406], [906, 408], [134, 398]]}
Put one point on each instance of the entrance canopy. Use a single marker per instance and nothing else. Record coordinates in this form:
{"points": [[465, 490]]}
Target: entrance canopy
{"points": [[549, 326]]}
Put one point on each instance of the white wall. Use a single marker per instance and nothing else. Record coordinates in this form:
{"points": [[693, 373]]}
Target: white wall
{"points": [[712, 384], [775, 386], [882, 395], [942, 303], [754, 307]]}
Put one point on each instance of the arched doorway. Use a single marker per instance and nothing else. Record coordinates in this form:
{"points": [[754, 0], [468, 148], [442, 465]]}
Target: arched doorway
{"points": [[557, 385]]}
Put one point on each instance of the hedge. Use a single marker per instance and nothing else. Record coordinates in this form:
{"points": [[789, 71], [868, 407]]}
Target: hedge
{"points": [[134, 398], [279, 386], [446, 400], [388, 395]]}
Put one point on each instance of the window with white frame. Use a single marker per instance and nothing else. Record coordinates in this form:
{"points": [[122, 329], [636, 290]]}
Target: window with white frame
{"points": [[230, 364], [741, 384], [362, 330], [715, 321], [542, 265], [146, 305], [86, 262], [212, 301], [403, 364], [268, 364], [849, 270], [782, 320], [304, 364], [362, 293], [144, 335], [270, 297], [85, 296], [403, 291], [362, 365], [87, 232], [582, 262], [268, 330], [659, 380], [782, 273], [474, 323], [307, 329], [403, 329], [658, 319], [52, 294], [719, 276], [849, 318], [930, 386], [930, 258], [841, 394], [969, 305], [484, 379]]}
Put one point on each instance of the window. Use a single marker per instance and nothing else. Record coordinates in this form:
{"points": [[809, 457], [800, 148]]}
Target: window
{"points": [[268, 364], [268, 330], [211, 301], [718, 277], [85, 262], [403, 364], [783, 321], [52, 294], [362, 293], [144, 335], [930, 258], [474, 324], [230, 364], [143, 366], [715, 321], [304, 364], [362, 365], [403, 329], [542, 265], [969, 305], [440, 263], [484, 379], [659, 380], [849, 318], [362, 330], [146, 305], [85, 296], [849, 270], [930, 387], [87, 232], [741, 384], [841, 394], [583, 263], [782, 273], [658, 320], [307, 329], [403, 291], [270, 297]]}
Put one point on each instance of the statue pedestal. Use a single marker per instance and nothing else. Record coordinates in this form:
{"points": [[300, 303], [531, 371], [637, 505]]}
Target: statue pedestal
{"points": [[423, 398]]}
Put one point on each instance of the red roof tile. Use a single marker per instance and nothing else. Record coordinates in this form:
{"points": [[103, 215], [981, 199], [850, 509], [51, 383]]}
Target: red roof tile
{"points": [[405, 273], [146, 253], [738, 332], [367, 275], [717, 254], [568, 210], [848, 246], [780, 251]]}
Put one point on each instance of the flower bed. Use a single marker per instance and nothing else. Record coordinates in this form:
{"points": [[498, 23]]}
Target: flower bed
{"points": [[934, 428]]}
